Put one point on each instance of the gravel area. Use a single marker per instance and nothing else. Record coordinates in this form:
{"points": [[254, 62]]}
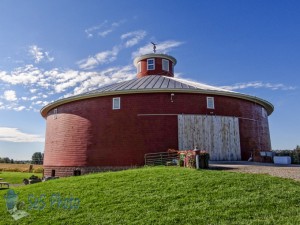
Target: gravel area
{"points": [[285, 171]]}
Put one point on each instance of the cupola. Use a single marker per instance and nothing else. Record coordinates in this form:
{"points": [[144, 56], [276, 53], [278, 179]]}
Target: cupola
{"points": [[155, 64]]}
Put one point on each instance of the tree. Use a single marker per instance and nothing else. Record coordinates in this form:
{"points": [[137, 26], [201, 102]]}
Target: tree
{"points": [[6, 160], [37, 158]]}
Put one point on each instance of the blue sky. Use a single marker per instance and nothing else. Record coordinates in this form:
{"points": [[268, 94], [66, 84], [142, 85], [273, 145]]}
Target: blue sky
{"points": [[54, 49]]}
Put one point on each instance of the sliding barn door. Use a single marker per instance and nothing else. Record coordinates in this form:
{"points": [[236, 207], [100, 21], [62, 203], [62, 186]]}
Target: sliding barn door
{"points": [[219, 135]]}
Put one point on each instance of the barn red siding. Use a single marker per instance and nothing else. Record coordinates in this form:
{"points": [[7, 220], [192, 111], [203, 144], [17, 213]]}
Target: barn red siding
{"points": [[90, 134]]}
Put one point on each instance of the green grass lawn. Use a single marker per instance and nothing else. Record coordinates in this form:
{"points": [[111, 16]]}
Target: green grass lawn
{"points": [[162, 195], [17, 177]]}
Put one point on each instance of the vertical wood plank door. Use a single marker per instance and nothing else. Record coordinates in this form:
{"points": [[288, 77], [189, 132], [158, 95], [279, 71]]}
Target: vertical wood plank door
{"points": [[219, 135]]}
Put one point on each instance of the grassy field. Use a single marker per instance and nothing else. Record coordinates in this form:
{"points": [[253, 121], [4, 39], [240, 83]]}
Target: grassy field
{"points": [[16, 177], [160, 195], [18, 167]]}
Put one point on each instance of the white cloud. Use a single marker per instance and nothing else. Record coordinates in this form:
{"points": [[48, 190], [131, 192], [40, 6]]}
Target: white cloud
{"points": [[98, 59], [133, 37], [36, 53], [90, 31], [104, 33], [163, 47], [19, 108], [102, 29], [49, 58], [88, 63], [37, 103], [15, 135], [22, 75], [108, 56], [71, 81], [106, 77], [39, 55], [258, 84], [10, 95]]}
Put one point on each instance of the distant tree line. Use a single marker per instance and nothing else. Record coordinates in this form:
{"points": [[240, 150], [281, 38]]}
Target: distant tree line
{"points": [[6, 160], [37, 158]]}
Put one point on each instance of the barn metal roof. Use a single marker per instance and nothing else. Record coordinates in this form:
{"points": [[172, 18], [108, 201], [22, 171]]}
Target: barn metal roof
{"points": [[156, 84]]}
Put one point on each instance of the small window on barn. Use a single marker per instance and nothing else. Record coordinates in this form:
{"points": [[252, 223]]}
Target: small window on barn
{"points": [[139, 67], [77, 172], [210, 102], [55, 114], [150, 64], [116, 103], [165, 64], [264, 112]]}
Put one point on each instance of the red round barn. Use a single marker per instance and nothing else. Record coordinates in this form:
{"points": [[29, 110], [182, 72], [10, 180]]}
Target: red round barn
{"points": [[113, 127]]}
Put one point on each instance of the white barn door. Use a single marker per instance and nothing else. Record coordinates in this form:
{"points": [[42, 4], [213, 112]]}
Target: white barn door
{"points": [[219, 135]]}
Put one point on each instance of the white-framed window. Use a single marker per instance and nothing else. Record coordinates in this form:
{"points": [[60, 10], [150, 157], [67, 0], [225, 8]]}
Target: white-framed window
{"points": [[139, 67], [264, 112], [55, 113], [210, 102], [150, 64], [116, 103], [165, 64]]}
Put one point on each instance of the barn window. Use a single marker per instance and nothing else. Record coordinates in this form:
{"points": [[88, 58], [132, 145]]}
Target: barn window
{"points": [[165, 64], [116, 103], [210, 102], [55, 114], [150, 64], [52, 173], [264, 112], [139, 67]]}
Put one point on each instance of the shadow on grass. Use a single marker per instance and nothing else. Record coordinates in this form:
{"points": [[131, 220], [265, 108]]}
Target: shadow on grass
{"points": [[3, 188], [221, 168]]}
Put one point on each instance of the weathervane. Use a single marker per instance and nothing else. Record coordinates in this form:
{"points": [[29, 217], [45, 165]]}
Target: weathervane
{"points": [[154, 47]]}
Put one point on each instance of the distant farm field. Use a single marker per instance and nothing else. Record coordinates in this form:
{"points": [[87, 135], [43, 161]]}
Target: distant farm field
{"points": [[20, 167]]}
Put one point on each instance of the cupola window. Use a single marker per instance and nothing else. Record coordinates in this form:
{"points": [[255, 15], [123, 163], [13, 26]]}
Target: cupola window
{"points": [[55, 114], [139, 67], [150, 64], [165, 64]]}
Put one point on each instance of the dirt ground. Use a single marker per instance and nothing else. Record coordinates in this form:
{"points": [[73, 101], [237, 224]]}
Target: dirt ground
{"points": [[285, 171]]}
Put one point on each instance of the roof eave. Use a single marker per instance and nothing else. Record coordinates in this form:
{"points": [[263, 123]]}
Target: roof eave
{"points": [[267, 105]]}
